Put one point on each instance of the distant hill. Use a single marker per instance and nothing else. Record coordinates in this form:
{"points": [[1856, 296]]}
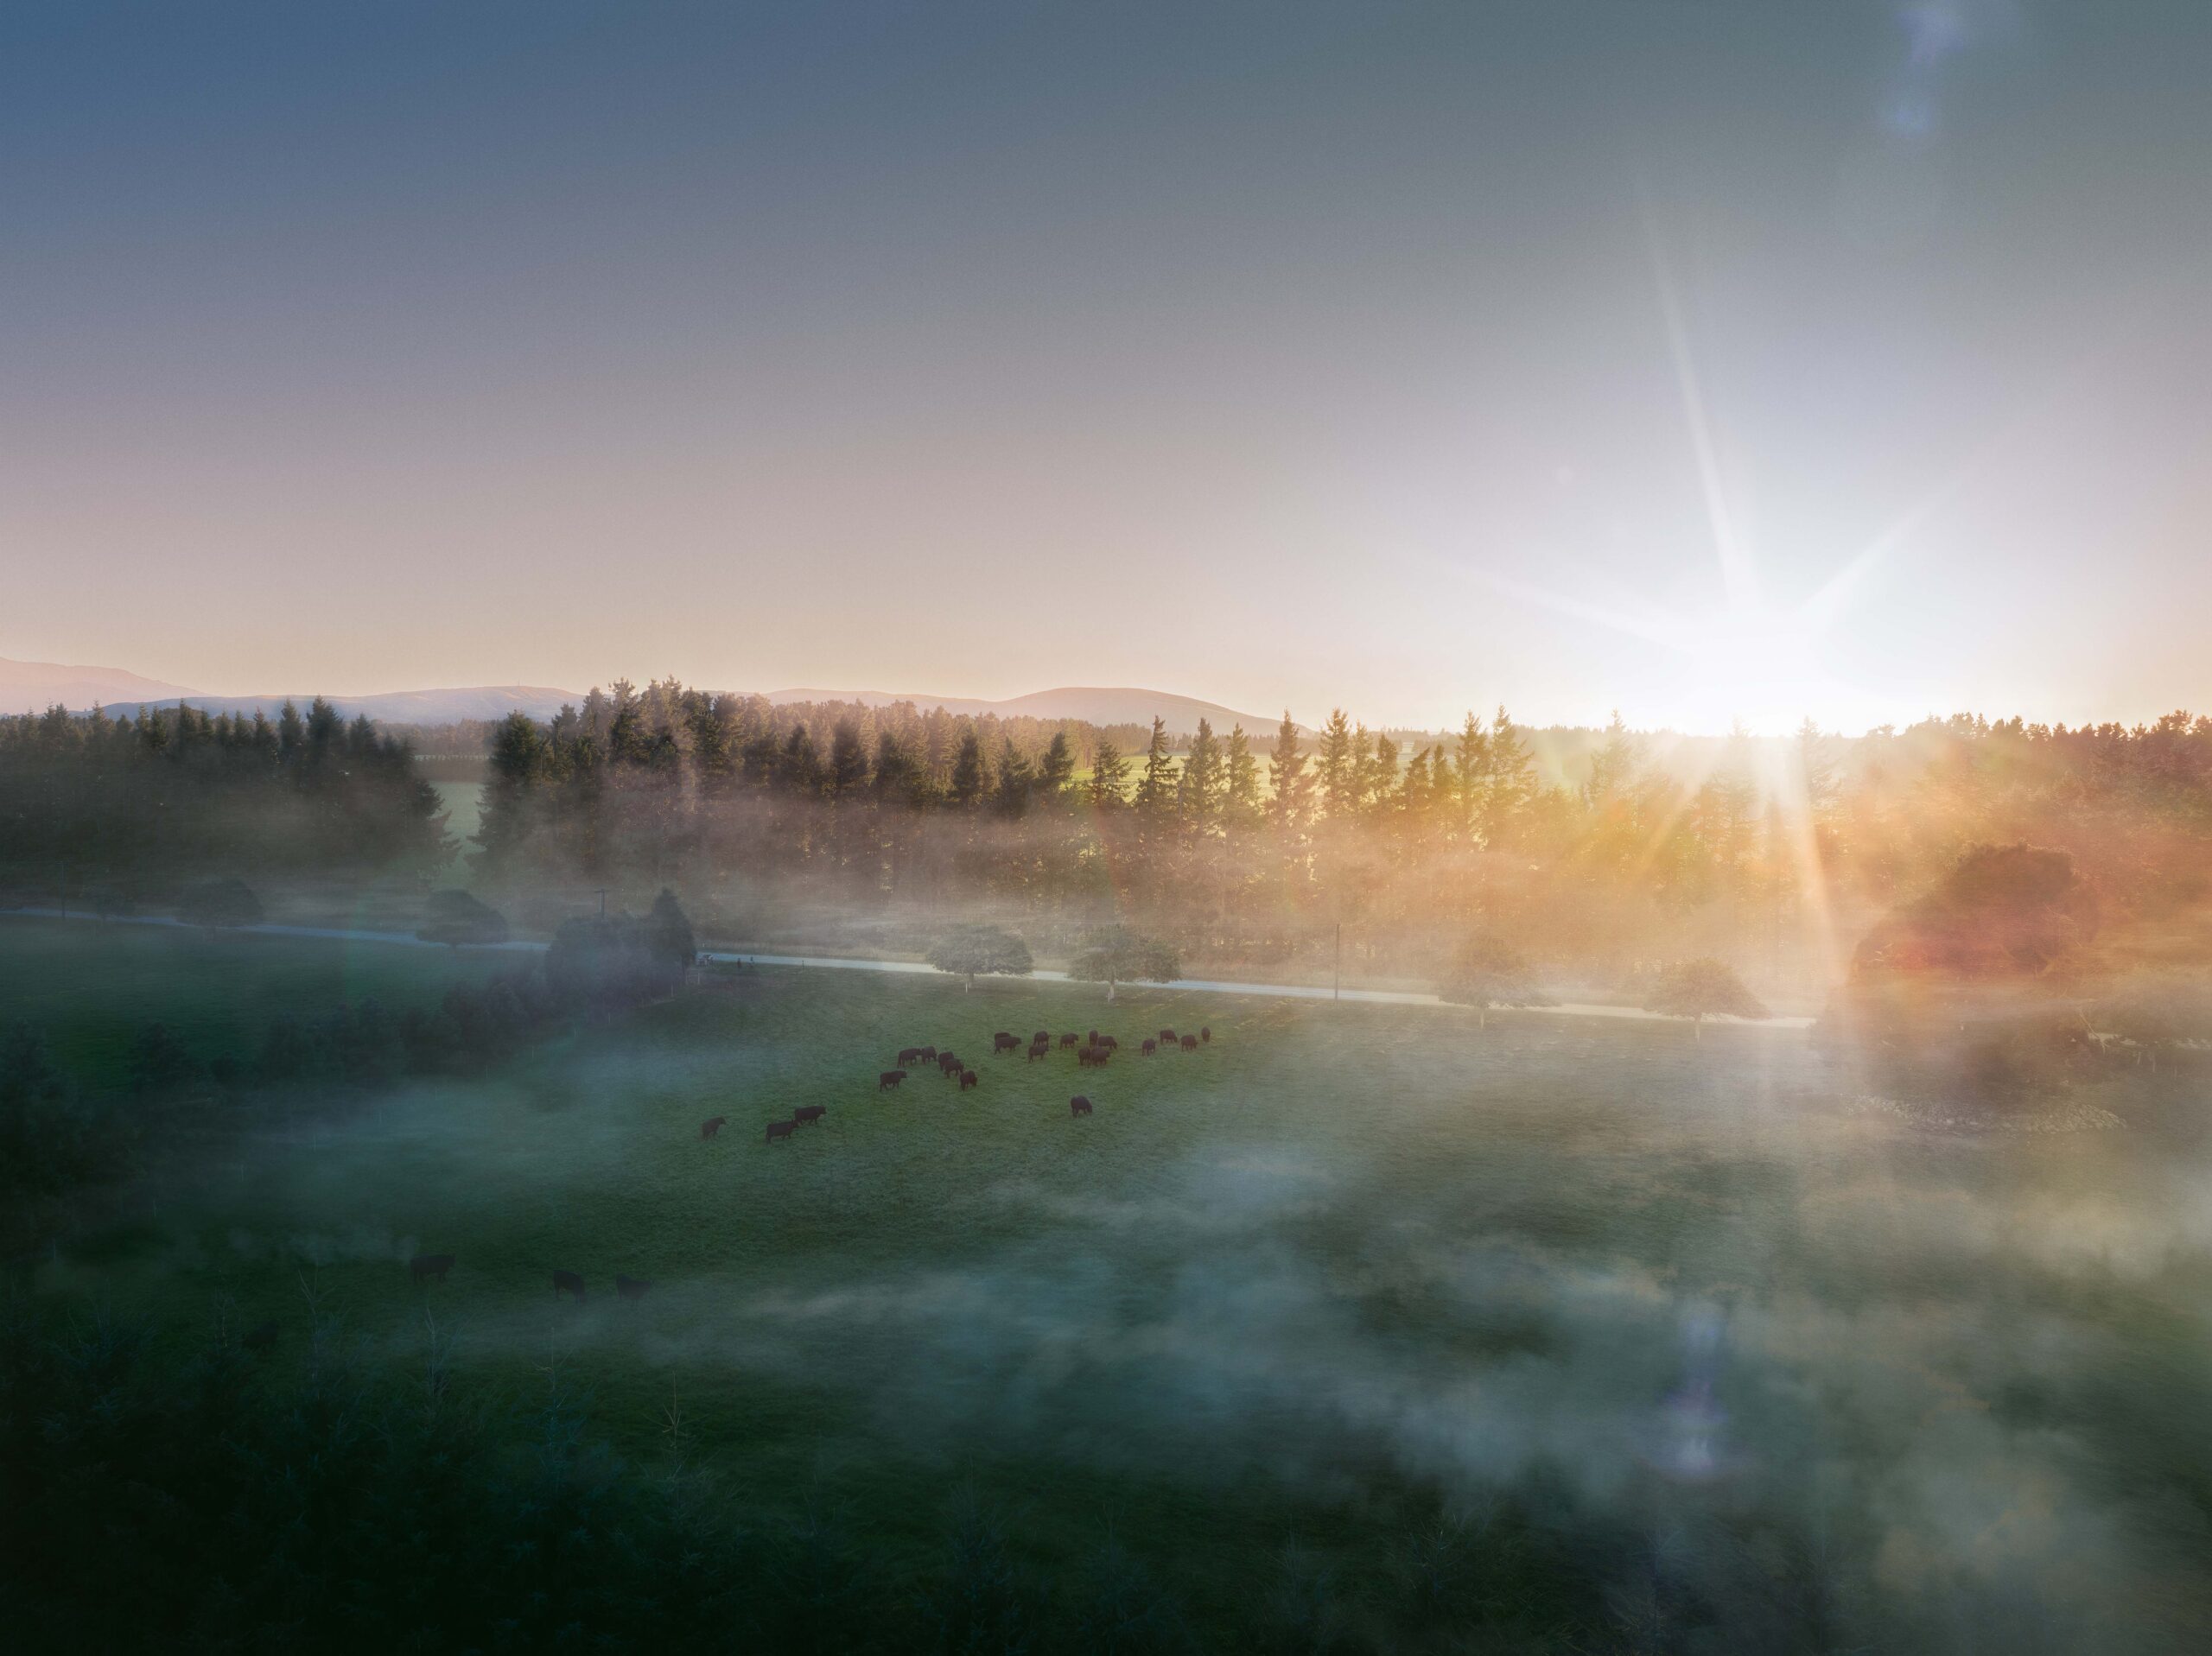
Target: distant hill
{"points": [[1098, 707], [489, 702], [35, 686]]}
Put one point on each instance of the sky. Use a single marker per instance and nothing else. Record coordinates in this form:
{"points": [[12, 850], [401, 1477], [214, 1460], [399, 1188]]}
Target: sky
{"points": [[1706, 361]]}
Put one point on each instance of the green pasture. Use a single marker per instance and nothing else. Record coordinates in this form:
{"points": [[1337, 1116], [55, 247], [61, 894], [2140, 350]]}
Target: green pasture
{"points": [[91, 986], [1341, 1271]]}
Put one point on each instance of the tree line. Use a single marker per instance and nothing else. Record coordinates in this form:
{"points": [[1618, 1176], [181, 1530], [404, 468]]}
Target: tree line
{"points": [[1269, 848], [175, 791]]}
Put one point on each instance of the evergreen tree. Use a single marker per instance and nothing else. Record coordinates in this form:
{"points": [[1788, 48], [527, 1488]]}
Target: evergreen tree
{"points": [[1109, 778], [1471, 773], [1056, 768], [1242, 803], [1202, 784], [1156, 783], [1336, 767], [847, 758], [1510, 785], [1288, 784], [968, 780], [1010, 797]]}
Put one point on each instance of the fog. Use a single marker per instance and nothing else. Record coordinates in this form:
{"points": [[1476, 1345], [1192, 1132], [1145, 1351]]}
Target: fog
{"points": [[1711, 1297]]}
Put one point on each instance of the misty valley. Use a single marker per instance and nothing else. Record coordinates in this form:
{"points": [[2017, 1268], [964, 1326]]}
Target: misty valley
{"points": [[1351, 1326]]}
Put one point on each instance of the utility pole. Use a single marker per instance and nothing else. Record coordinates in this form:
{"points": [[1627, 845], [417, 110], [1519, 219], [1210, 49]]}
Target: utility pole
{"points": [[1336, 972], [602, 903]]}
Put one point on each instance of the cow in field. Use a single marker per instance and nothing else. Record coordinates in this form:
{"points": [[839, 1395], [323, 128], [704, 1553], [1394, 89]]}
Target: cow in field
{"points": [[929, 1054], [1108, 1042], [1190, 1043], [261, 1337], [1167, 1037], [1042, 1037], [1149, 1048], [568, 1282], [712, 1126], [425, 1266], [1003, 1041], [949, 1063], [967, 1079], [909, 1054], [1206, 1033], [889, 1079], [1091, 1039], [630, 1287], [1040, 1050], [1091, 1057], [1078, 1105], [1071, 1039], [807, 1112], [778, 1130]]}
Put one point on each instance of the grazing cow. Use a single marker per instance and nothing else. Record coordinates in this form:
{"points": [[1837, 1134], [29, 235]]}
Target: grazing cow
{"points": [[708, 1128], [630, 1287], [1108, 1042], [1038, 1050], [1042, 1037], [1093, 1039], [967, 1079], [261, 1337], [1190, 1043], [1206, 1033], [1071, 1039], [889, 1079], [779, 1130], [568, 1282], [807, 1112], [929, 1054], [1078, 1105], [425, 1265], [1003, 1042], [909, 1054], [949, 1063], [1167, 1037], [1149, 1048]]}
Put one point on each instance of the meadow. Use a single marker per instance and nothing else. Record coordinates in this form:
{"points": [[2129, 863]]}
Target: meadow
{"points": [[1369, 1323]]}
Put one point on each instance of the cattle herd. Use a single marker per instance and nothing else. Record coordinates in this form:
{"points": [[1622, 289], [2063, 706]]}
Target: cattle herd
{"points": [[1093, 1051]]}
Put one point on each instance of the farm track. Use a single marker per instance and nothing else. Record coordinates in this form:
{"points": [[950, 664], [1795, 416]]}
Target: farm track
{"points": [[1203, 985]]}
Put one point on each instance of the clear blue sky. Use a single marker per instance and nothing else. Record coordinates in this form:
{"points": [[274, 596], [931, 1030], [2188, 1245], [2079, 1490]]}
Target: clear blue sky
{"points": [[1409, 357]]}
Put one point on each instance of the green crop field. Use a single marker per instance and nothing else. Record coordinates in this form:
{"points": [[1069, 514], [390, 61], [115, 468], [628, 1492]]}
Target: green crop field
{"points": [[1295, 1294]]}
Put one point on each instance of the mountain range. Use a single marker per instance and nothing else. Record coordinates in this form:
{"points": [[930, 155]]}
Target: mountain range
{"points": [[32, 686]]}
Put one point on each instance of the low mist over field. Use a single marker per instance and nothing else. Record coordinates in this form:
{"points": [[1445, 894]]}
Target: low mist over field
{"points": [[1106, 830]]}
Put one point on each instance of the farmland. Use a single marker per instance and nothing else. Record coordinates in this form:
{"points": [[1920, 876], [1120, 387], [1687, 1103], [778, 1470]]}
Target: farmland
{"points": [[1593, 1299]]}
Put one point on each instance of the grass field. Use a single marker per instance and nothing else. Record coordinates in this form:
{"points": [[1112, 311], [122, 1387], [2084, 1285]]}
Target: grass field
{"points": [[1295, 1294]]}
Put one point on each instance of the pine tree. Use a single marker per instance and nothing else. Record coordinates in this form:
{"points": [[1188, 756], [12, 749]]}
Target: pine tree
{"points": [[1242, 805], [968, 780], [1202, 784], [847, 758], [1471, 774], [1288, 784], [1156, 784], [1010, 797], [1511, 782], [1109, 778], [1057, 767], [1335, 768]]}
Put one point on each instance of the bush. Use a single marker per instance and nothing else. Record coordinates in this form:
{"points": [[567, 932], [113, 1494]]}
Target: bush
{"points": [[219, 903], [972, 951], [454, 916], [1485, 972], [1701, 989]]}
